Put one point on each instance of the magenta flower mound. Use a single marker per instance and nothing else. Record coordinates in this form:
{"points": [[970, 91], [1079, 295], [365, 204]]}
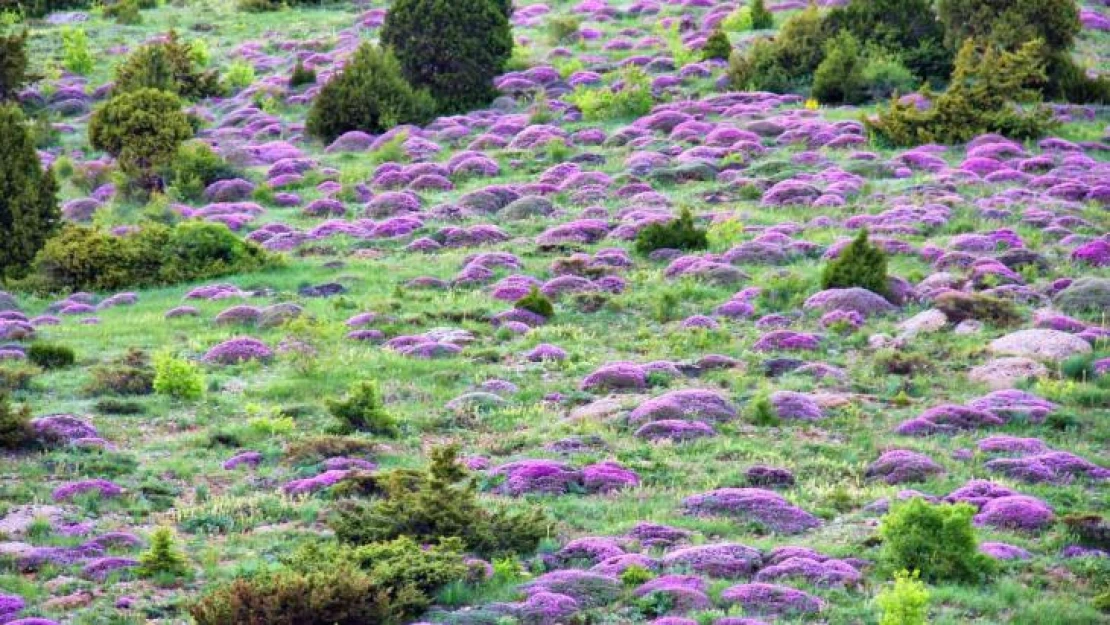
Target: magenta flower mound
{"points": [[545, 351], [651, 535], [978, 493], [589, 549], [105, 488], [899, 466], [1003, 551], [1004, 444], [1053, 467], [549, 477], [827, 572], [860, 301], [686, 405], [616, 565], [736, 620], [1017, 512], [674, 430], [62, 428], [787, 340], [546, 608], [1012, 403], [947, 418], [770, 599], [677, 620], [10, 606], [342, 463], [590, 590], [34, 620], [768, 477], [238, 350], [682, 598], [724, 560], [312, 484], [608, 476], [248, 458], [616, 376], [794, 406], [752, 505], [100, 568]]}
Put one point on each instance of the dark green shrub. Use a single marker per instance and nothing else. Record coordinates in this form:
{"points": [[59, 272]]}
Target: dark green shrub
{"points": [[982, 97], [195, 166], [125, 12], [167, 65], [762, 19], [1009, 24], [959, 306], [937, 540], [454, 48], [258, 6], [839, 77], [301, 76], [362, 410], [50, 356], [121, 379], [29, 212], [1068, 80], [884, 75], [1090, 530], [763, 412], [87, 258], [17, 378], [39, 8], [115, 406], [717, 46], [860, 264], [142, 129], [370, 95], [677, 234], [536, 302], [907, 29], [787, 62], [163, 559], [341, 595], [443, 504], [318, 448], [13, 64], [15, 424]]}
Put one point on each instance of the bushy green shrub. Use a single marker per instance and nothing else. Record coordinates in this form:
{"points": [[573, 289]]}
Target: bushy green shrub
{"points": [[906, 602], [453, 48], [635, 576], [168, 65], [39, 8], [163, 559], [87, 258], [1009, 24], [740, 20], [884, 75], [762, 18], [369, 94], [240, 75], [677, 234], [936, 539], [860, 264], [195, 166], [29, 212], [906, 29], [51, 356], [633, 99], [717, 46], [787, 62], [341, 595], [177, 377], [441, 504], [562, 29], [536, 302], [986, 87], [15, 424], [75, 51], [127, 12], [362, 410], [130, 374], [839, 77], [143, 130], [959, 306], [301, 76]]}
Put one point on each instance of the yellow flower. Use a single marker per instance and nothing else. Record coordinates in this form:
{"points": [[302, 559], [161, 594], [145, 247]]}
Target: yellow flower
{"points": [[811, 104]]}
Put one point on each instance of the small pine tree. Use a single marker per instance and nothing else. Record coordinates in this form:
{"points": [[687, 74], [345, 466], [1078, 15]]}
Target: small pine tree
{"points": [[362, 410], [839, 77], [937, 540], [301, 76], [904, 603], [677, 234], [163, 558], [761, 18], [454, 48], [717, 46], [168, 65], [143, 130], [536, 302], [29, 213], [15, 424], [13, 65], [860, 264], [370, 95]]}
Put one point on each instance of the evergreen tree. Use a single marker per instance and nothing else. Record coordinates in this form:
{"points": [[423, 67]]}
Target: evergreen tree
{"points": [[13, 65], [860, 264], [163, 558], [29, 212], [717, 46], [761, 18], [454, 48], [143, 130]]}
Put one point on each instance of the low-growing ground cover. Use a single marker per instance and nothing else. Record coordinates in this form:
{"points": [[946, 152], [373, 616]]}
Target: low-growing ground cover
{"points": [[711, 435]]}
